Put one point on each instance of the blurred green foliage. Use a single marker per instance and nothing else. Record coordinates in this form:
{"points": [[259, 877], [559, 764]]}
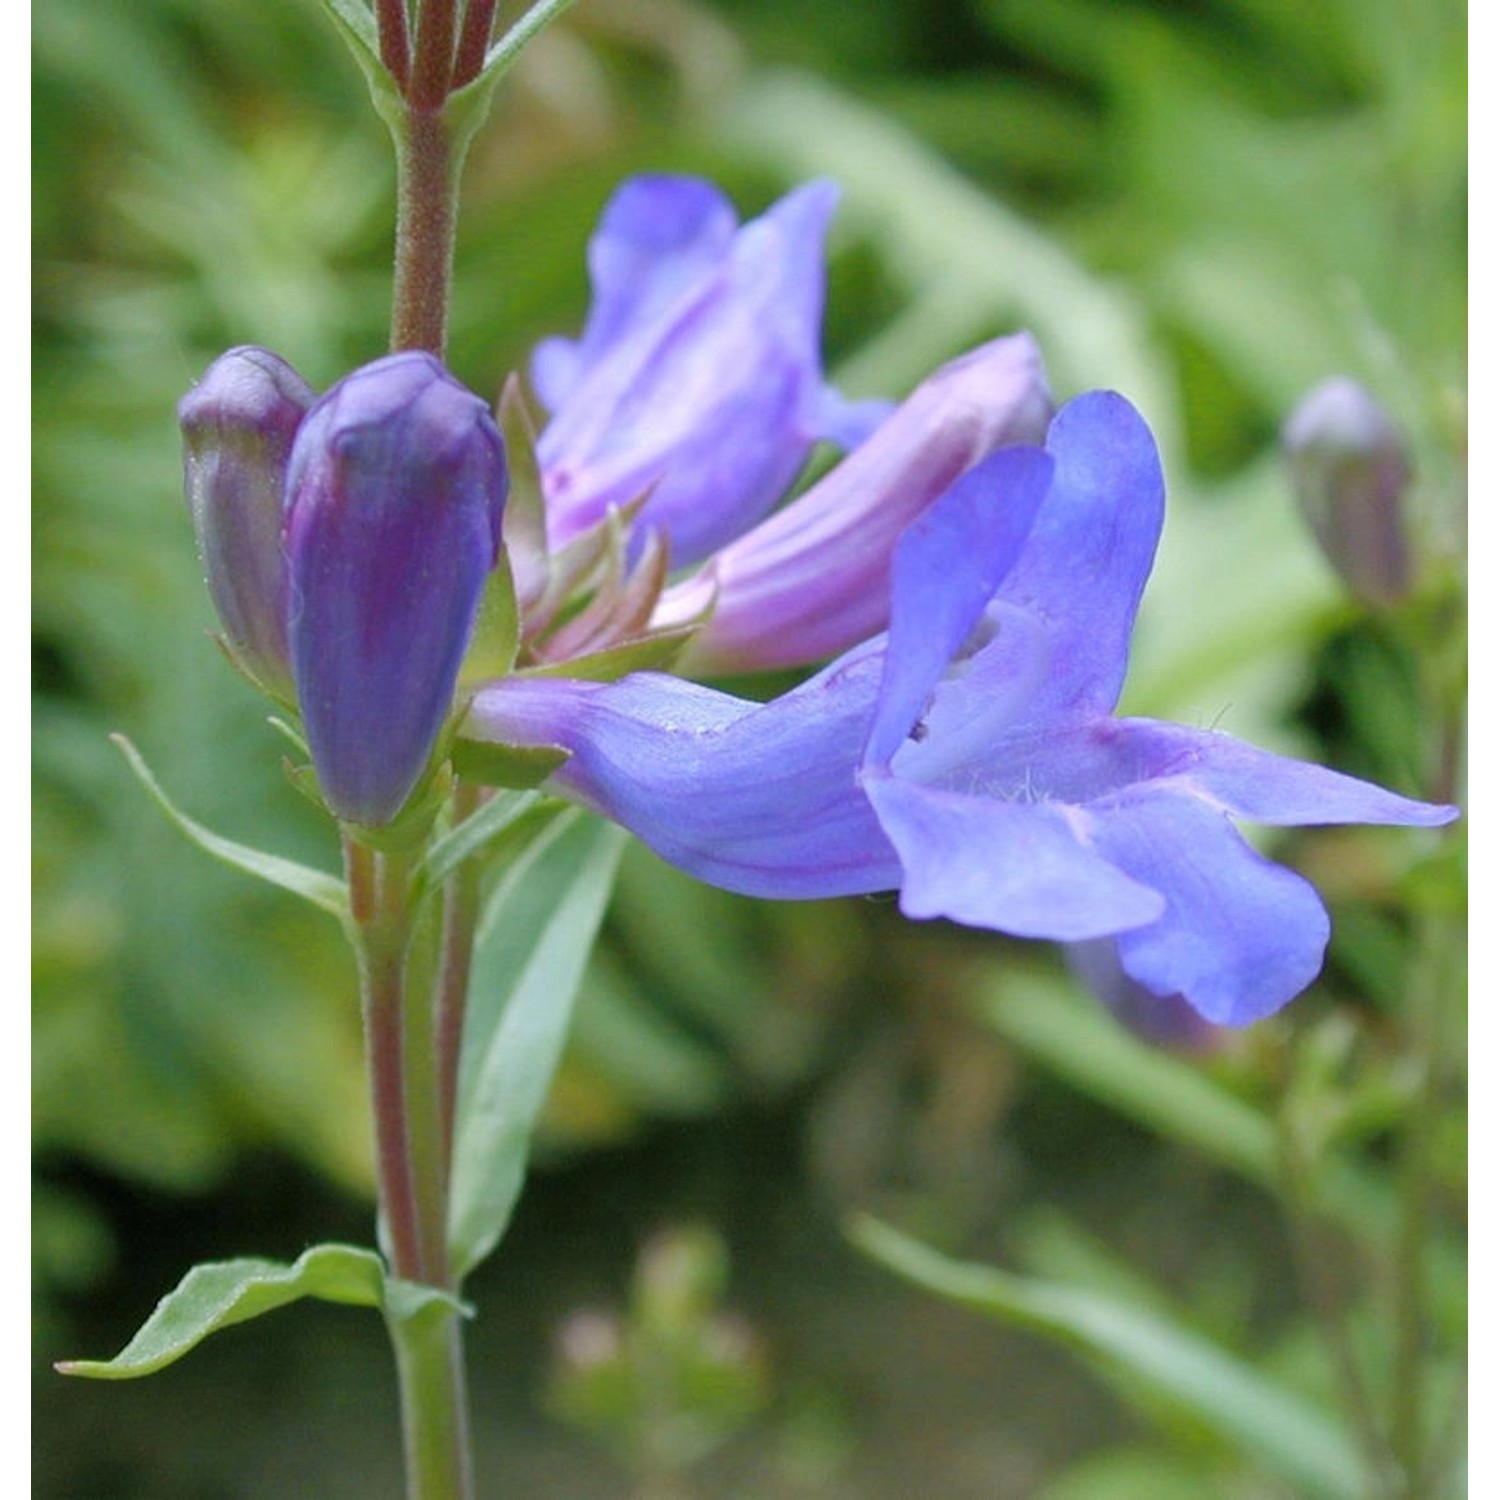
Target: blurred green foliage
{"points": [[1207, 206]]}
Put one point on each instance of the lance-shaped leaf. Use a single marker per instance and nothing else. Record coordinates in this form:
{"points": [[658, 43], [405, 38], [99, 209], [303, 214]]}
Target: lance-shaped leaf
{"points": [[533, 943], [223, 1293], [1272, 1425], [312, 885]]}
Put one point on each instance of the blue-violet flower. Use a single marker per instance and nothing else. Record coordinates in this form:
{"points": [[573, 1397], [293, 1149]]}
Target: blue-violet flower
{"points": [[811, 580], [971, 758], [697, 382]]}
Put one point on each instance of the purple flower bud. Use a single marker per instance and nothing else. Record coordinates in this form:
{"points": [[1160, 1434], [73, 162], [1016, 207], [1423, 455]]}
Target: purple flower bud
{"points": [[238, 423], [1350, 471], [393, 502]]}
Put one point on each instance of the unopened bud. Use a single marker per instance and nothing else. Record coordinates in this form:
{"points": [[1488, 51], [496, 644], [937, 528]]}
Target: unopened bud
{"points": [[238, 424], [393, 502], [1350, 471]]}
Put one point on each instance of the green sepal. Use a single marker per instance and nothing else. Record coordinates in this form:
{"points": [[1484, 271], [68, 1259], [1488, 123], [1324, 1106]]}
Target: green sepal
{"points": [[1150, 1355], [518, 768], [646, 653], [317, 886], [223, 1293], [525, 521], [497, 631], [304, 781]]}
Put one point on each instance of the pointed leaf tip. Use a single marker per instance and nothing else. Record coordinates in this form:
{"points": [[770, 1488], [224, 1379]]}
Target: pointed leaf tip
{"points": [[316, 886]]}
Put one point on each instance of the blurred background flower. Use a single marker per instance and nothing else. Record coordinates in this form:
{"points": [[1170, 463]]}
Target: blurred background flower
{"points": [[1211, 209]]}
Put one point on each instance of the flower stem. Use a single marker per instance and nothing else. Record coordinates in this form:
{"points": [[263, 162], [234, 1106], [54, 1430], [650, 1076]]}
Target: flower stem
{"points": [[434, 1403], [426, 215], [1409, 1388], [473, 41], [381, 931], [411, 1133]]}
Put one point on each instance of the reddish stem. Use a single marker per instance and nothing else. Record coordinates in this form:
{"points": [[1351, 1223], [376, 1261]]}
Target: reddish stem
{"points": [[424, 233], [473, 41], [377, 902], [432, 56], [395, 49]]}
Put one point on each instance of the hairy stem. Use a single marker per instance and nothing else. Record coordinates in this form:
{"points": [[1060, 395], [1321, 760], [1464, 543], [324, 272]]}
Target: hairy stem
{"points": [[426, 214], [434, 1404], [473, 41], [432, 55], [395, 49], [376, 903]]}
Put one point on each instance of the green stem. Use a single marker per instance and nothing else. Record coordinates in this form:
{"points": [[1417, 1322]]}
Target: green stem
{"points": [[380, 942], [1318, 1258], [414, 1040], [434, 1403], [1408, 1425], [1434, 987], [410, 1132]]}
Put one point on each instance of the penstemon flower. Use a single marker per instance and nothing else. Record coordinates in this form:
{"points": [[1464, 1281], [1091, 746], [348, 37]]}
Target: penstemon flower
{"points": [[1350, 470], [697, 381], [971, 757]]}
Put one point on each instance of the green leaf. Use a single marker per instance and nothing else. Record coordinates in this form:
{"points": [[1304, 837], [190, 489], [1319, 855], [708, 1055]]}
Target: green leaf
{"points": [[316, 886], [533, 944], [1075, 1038], [1131, 1474], [219, 1295], [473, 834], [1148, 1353], [355, 22]]}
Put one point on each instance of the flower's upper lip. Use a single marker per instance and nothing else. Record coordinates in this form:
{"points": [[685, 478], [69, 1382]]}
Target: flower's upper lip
{"points": [[698, 370]]}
